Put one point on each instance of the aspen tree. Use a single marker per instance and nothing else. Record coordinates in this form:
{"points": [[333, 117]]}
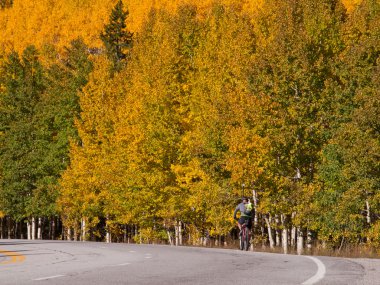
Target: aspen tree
{"points": [[349, 169], [295, 44]]}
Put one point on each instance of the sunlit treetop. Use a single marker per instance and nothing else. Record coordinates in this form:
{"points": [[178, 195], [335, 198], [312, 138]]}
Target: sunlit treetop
{"points": [[58, 22]]}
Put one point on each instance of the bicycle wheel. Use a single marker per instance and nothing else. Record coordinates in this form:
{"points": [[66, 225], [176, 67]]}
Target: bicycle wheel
{"points": [[246, 240], [241, 240]]}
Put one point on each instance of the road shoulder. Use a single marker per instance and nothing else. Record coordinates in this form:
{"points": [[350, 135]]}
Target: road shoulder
{"points": [[371, 269]]}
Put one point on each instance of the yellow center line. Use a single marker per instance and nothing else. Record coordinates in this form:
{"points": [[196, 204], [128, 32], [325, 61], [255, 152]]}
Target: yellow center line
{"points": [[14, 257]]}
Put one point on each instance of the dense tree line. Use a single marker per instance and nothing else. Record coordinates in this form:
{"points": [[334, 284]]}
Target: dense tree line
{"points": [[153, 136]]}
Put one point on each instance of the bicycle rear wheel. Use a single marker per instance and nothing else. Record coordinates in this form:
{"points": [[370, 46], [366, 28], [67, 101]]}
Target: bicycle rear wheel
{"points": [[246, 240], [241, 240]]}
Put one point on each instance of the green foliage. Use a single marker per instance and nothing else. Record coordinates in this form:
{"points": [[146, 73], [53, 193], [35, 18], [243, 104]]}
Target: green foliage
{"points": [[21, 139], [38, 108], [350, 168]]}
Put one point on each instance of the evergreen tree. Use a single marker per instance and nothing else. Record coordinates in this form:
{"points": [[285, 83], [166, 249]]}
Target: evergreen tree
{"points": [[116, 38], [21, 152], [58, 109], [38, 108]]}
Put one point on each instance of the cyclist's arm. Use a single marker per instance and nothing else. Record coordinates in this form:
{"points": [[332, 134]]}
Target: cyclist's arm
{"points": [[236, 210]]}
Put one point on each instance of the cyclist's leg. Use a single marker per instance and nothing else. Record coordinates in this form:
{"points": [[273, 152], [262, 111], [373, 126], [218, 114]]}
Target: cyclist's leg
{"points": [[249, 227], [249, 223], [241, 221]]}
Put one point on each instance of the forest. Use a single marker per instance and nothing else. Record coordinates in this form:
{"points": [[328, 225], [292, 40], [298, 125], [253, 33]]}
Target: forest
{"points": [[147, 121]]}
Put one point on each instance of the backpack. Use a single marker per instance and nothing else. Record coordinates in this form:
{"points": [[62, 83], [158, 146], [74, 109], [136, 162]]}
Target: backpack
{"points": [[248, 209]]}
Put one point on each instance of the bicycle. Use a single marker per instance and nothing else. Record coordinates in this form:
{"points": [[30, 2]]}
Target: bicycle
{"points": [[245, 237]]}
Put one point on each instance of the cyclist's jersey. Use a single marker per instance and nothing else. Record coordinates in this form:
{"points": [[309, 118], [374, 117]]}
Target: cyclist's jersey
{"points": [[243, 211], [249, 207]]}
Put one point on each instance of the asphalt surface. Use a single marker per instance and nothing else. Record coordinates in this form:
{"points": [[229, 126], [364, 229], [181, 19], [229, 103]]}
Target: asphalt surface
{"points": [[62, 262]]}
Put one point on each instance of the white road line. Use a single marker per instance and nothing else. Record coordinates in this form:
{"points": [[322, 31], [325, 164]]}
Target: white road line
{"points": [[132, 251], [320, 272], [49, 277], [148, 257]]}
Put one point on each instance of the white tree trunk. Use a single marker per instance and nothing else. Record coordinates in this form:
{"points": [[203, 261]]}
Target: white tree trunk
{"points": [[53, 228], [293, 232], [299, 241], [39, 228], [293, 235], [205, 239], [108, 234], [176, 229], [83, 229], [69, 234], [284, 234], [180, 232], [278, 236], [278, 232], [271, 241], [169, 237], [368, 216], [28, 229], [76, 232], [285, 240], [309, 239], [33, 228], [254, 195]]}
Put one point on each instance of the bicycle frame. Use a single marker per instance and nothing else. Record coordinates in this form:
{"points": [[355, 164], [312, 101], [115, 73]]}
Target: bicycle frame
{"points": [[244, 237]]}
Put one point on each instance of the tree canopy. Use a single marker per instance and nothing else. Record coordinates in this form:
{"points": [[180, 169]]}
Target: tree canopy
{"points": [[151, 121]]}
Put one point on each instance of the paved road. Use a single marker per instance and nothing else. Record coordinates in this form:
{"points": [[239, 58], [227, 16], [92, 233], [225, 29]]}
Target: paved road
{"points": [[60, 262]]}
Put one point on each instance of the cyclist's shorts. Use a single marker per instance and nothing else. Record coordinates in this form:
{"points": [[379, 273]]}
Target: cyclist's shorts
{"points": [[249, 221]]}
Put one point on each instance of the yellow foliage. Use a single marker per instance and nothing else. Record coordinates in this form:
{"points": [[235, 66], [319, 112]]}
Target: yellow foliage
{"points": [[52, 22], [350, 4], [374, 234], [58, 22], [169, 137]]}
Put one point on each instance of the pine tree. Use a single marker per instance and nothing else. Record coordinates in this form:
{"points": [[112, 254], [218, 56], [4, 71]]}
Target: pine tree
{"points": [[116, 38], [21, 149]]}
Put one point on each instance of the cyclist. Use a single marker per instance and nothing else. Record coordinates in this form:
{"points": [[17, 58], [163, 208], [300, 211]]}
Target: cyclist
{"points": [[245, 209]]}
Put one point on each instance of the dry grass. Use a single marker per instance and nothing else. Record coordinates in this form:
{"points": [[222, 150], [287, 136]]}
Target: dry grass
{"points": [[358, 251]]}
